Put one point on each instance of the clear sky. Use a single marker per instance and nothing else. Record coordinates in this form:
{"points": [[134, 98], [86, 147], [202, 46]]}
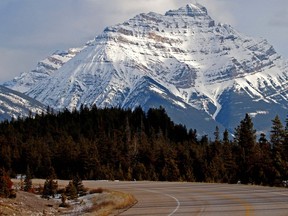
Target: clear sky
{"points": [[31, 30]]}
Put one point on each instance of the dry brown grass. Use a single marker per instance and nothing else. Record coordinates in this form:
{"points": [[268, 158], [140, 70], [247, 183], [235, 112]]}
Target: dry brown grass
{"points": [[102, 207], [113, 203], [127, 200], [96, 190]]}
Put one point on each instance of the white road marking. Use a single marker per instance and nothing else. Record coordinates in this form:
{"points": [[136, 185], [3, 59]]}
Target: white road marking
{"points": [[177, 201], [178, 204]]}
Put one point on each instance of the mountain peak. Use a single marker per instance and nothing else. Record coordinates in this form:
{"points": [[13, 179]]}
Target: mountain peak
{"points": [[188, 10], [181, 61]]}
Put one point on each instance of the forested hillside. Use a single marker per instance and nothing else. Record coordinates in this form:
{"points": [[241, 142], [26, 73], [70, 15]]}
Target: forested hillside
{"points": [[113, 143]]}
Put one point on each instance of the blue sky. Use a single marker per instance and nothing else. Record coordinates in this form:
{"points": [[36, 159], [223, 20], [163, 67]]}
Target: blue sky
{"points": [[33, 29]]}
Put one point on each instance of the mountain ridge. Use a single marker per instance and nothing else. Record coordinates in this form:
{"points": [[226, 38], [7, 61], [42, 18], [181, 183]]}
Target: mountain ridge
{"points": [[14, 104]]}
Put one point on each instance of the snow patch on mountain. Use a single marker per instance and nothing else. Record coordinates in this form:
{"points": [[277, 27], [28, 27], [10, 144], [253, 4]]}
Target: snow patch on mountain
{"points": [[14, 104]]}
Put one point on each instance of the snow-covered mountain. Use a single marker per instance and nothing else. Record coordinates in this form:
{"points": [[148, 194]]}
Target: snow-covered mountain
{"points": [[202, 72], [14, 104]]}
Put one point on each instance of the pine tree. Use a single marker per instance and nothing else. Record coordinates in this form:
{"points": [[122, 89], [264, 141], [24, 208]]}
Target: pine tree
{"points": [[245, 137], [5, 184], [226, 136], [28, 181], [71, 191], [217, 134], [77, 182], [50, 185], [266, 161], [277, 139], [230, 166], [277, 133], [285, 144], [50, 188]]}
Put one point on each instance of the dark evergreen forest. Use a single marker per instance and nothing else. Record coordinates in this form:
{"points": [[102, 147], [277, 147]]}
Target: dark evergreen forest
{"points": [[113, 143]]}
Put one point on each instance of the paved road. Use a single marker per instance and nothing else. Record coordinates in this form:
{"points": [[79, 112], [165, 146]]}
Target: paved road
{"points": [[167, 198]]}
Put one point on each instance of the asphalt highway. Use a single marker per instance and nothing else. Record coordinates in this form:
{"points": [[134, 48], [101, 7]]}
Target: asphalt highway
{"points": [[174, 198]]}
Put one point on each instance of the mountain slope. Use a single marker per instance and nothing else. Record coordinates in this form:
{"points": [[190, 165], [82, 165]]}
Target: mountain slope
{"points": [[14, 104], [195, 64], [44, 70]]}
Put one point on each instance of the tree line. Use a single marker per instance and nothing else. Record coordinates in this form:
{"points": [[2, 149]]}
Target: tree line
{"points": [[113, 143]]}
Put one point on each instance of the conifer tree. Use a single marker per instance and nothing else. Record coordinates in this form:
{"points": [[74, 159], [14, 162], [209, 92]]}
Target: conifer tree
{"points": [[77, 182], [217, 134], [5, 184], [50, 185], [28, 181], [266, 160], [277, 139], [277, 133], [226, 136], [50, 188], [245, 137], [71, 191], [285, 144]]}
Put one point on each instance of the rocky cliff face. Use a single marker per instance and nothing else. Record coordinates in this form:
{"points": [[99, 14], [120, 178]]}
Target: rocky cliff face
{"points": [[183, 60]]}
